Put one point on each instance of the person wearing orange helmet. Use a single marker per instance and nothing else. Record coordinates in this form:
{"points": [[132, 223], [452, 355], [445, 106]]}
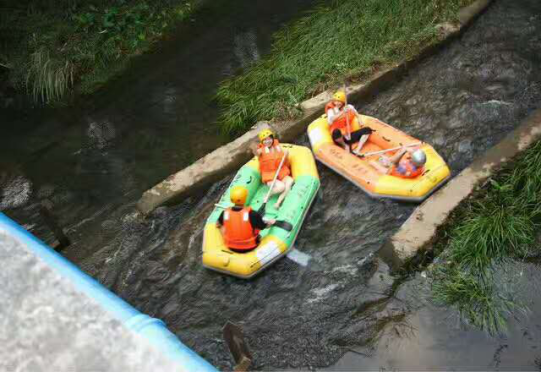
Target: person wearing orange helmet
{"points": [[240, 225], [270, 155], [340, 118]]}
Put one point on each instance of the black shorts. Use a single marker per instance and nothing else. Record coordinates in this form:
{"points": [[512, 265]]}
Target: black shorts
{"points": [[354, 136]]}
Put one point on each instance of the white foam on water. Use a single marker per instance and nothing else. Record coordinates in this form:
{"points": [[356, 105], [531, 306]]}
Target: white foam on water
{"points": [[320, 293]]}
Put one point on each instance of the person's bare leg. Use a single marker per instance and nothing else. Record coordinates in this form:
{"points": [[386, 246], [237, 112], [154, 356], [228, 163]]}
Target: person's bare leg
{"points": [[379, 167], [361, 142], [340, 142], [288, 182], [278, 188]]}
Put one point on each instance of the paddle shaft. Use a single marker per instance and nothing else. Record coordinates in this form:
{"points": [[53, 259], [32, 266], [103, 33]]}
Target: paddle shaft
{"points": [[275, 178], [388, 150], [348, 132]]}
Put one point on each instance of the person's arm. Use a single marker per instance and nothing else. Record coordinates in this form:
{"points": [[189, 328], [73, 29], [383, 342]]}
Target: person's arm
{"points": [[220, 221], [257, 222], [398, 155], [331, 116]]}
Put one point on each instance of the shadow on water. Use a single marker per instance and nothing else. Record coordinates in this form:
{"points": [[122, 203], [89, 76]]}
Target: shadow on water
{"points": [[463, 100]]}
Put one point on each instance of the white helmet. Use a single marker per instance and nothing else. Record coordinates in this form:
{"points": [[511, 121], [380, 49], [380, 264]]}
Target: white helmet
{"points": [[418, 158]]}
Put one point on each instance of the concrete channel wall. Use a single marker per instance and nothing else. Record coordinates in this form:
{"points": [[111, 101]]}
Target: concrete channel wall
{"points": [[417, 234], [230, 157]]}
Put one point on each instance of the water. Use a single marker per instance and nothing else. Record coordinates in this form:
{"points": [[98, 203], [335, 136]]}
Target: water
{"points": [[93, 161], [463, 100], [428, 337]]}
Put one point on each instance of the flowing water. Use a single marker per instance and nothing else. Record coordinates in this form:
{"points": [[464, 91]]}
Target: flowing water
{"points": [[463, 100]]}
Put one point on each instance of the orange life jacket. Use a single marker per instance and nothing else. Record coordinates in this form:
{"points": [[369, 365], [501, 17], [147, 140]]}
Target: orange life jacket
{"points": [[406, 166], [341, 123], [270, 159], [238, 231]]}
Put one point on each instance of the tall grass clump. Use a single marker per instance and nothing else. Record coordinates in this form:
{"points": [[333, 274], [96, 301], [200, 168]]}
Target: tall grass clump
{"points": [[475, 297], [500, 223], [51, 46], [491, 232], [49, 78], [343, 40]]}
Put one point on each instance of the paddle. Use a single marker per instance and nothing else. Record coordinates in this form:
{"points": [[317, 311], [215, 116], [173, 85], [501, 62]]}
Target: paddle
{"points": [[348, 132], [388, 150], [285, 225], [266, 199]]}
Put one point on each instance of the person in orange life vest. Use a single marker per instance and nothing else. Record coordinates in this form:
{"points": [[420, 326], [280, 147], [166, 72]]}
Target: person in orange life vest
{"points": [[240, 225], [340, 120], [270, 155], [410, 166]]}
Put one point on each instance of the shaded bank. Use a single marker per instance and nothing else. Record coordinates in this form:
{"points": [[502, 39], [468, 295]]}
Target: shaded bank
{"points": [[51, 46]]}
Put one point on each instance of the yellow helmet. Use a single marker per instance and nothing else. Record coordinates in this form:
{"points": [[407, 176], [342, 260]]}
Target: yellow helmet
{"points": [[265, 133], [340, 96], [238, 195]]}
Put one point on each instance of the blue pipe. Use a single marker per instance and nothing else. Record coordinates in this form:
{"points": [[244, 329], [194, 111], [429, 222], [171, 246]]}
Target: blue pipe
{"points": [[152, 329]]}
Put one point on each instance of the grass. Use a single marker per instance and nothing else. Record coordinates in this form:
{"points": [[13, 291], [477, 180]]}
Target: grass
{"points": [[475, 297], [51, 47], [344, 40], [500, 223]]}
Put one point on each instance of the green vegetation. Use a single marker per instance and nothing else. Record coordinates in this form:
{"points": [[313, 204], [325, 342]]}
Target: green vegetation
{"points": [[347, 40], [501, 222], [50, 45]]}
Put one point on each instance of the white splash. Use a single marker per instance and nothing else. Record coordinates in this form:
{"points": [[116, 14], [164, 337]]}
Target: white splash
{"points": [[15, 193], [320, 293], [299, 257]]}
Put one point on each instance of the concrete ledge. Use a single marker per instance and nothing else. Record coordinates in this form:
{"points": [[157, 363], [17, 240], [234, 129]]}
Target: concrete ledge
{"points": [[206, 170], [231, 156], [418, 233]]}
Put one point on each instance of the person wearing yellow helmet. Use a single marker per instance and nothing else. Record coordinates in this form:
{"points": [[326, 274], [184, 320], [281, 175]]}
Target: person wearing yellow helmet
{"points": [[341, 118], [270, 155], [240, 225]]}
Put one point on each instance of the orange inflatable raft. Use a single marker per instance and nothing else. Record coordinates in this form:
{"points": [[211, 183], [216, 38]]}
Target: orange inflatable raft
{"points": [[362, 174]]}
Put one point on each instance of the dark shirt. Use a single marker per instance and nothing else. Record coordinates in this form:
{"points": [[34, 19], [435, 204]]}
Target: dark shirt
{"points": [[255, 219]]}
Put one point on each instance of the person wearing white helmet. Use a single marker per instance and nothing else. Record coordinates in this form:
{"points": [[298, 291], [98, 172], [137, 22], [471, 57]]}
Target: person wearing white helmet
{"points": [[399, 165]]}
